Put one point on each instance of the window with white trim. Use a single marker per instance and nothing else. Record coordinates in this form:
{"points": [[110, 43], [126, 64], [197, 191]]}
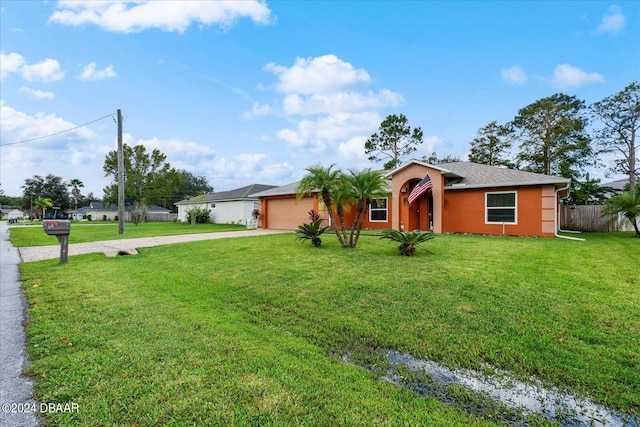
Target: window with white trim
{"points": [[501, 207], [378, 210]]}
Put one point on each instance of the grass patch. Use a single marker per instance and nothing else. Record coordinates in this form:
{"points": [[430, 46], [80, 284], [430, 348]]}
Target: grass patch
{"points": [[82, 232], [243, 331]]}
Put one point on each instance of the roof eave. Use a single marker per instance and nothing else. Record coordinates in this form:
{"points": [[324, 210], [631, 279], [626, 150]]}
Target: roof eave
{"points": [[444, 171], [507, 184]]}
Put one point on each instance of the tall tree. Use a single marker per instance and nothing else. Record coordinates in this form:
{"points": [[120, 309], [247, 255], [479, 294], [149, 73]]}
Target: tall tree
{"points": [[587, 191], [149, 179], [75, 185], [491, 146], [553, 137], [50, 187], [620, 115], [190, 186], [393, 140]]}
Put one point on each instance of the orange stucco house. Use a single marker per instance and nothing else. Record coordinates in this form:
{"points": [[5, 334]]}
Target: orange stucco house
{"points": [[465, 197]]}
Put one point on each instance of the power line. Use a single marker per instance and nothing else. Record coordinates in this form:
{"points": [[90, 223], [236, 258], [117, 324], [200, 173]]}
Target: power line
{"points": [[56, 133]]}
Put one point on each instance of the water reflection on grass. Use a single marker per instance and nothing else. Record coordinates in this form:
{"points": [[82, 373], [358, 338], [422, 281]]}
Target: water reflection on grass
{"points": [[499, 396]]}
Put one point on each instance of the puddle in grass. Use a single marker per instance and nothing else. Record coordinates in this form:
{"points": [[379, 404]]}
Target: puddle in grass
{"points": [[527, 399]]}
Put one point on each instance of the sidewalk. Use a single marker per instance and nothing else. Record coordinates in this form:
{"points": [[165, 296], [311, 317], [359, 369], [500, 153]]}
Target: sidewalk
{"points": [[15, 388], [114, 247]]}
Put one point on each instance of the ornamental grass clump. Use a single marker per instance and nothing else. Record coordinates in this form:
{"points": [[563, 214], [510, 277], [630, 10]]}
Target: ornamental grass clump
{"points": [[408, 240], [313, 230]]}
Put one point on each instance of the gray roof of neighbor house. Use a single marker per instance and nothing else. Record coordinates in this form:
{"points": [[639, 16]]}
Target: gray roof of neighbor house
{"points": [[244, 193], [278, 191], [618, 184], [99, 206], [474, 175]]}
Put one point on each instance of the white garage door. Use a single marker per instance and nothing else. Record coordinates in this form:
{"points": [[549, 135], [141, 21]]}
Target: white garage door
{"points": [[288, 214]]}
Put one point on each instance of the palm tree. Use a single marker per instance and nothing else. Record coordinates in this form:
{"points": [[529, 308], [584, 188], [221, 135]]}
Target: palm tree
{"points": [[365, 186], [627, 204], [75, 185], [328, 184], [42, 203]]}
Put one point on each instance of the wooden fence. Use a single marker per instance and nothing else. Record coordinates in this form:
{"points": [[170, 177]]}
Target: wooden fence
{"points": [[586, 218]]}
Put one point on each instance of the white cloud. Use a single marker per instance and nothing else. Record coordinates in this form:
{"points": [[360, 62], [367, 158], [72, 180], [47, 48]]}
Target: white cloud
{"points": [[44, 71], [314, 134], [10, 63], [325, 103], [613, 20], [257, 110], [353, 149], [77, 152], [322, 74], [180, 154], [90, 73], [335, 100], [513, 75], [567, 76], [16, 125], [130, 17], [36, 93]]}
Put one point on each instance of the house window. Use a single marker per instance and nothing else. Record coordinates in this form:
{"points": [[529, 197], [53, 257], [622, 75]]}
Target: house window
{"points": [[256, 206], [378, 210], [501, 207]]}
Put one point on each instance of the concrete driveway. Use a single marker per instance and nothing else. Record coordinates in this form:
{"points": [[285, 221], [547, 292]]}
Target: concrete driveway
{"points": [[114, 247]]}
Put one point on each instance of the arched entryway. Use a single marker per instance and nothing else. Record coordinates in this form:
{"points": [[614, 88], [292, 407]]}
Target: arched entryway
{"points": [[419, 214]]}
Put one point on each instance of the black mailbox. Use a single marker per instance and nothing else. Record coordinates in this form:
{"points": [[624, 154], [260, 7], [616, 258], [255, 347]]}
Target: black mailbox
{"points": [[57, 227], [60, 228]]}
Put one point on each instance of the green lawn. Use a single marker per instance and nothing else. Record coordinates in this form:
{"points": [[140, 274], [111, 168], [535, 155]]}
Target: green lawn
{"points": [[82, 232], [249, 331]]}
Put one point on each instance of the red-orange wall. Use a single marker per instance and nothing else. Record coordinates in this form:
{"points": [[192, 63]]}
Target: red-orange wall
{"points": [[464, 212], [349, 216]]}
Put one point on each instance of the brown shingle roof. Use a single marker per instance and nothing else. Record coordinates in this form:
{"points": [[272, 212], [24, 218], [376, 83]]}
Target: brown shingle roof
{"points": [[477, 175]]}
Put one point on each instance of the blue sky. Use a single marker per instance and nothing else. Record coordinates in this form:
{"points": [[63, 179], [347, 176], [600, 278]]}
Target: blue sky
{"points": [[254, 92]]}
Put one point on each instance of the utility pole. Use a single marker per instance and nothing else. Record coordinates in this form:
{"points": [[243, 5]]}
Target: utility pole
{"points": [[120, 177]]}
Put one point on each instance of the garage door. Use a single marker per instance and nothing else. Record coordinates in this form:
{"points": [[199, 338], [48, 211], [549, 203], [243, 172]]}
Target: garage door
{"points": [[287, 214]]}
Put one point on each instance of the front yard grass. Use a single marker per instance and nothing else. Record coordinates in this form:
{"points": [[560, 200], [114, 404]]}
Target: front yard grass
{"points": [[82, 232], [249, 331]]}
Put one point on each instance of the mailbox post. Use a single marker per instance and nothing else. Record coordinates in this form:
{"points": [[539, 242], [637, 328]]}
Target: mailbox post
{"points": [[61, 229]]}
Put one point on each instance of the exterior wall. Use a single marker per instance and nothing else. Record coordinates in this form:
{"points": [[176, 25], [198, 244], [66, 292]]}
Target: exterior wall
{"points": [[400, 206], [236, 211], [464, 212], [380, 225], [224, 212], [182, 209]]}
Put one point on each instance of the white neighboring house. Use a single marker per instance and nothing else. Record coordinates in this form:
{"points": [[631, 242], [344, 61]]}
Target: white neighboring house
{"points": [[99, 211], [615, 187], [13, 214], [225, 207]]}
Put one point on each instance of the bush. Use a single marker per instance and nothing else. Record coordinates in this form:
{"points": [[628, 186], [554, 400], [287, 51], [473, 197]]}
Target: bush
{"points": [[408, 240], [198, 215], [312, 230]]}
